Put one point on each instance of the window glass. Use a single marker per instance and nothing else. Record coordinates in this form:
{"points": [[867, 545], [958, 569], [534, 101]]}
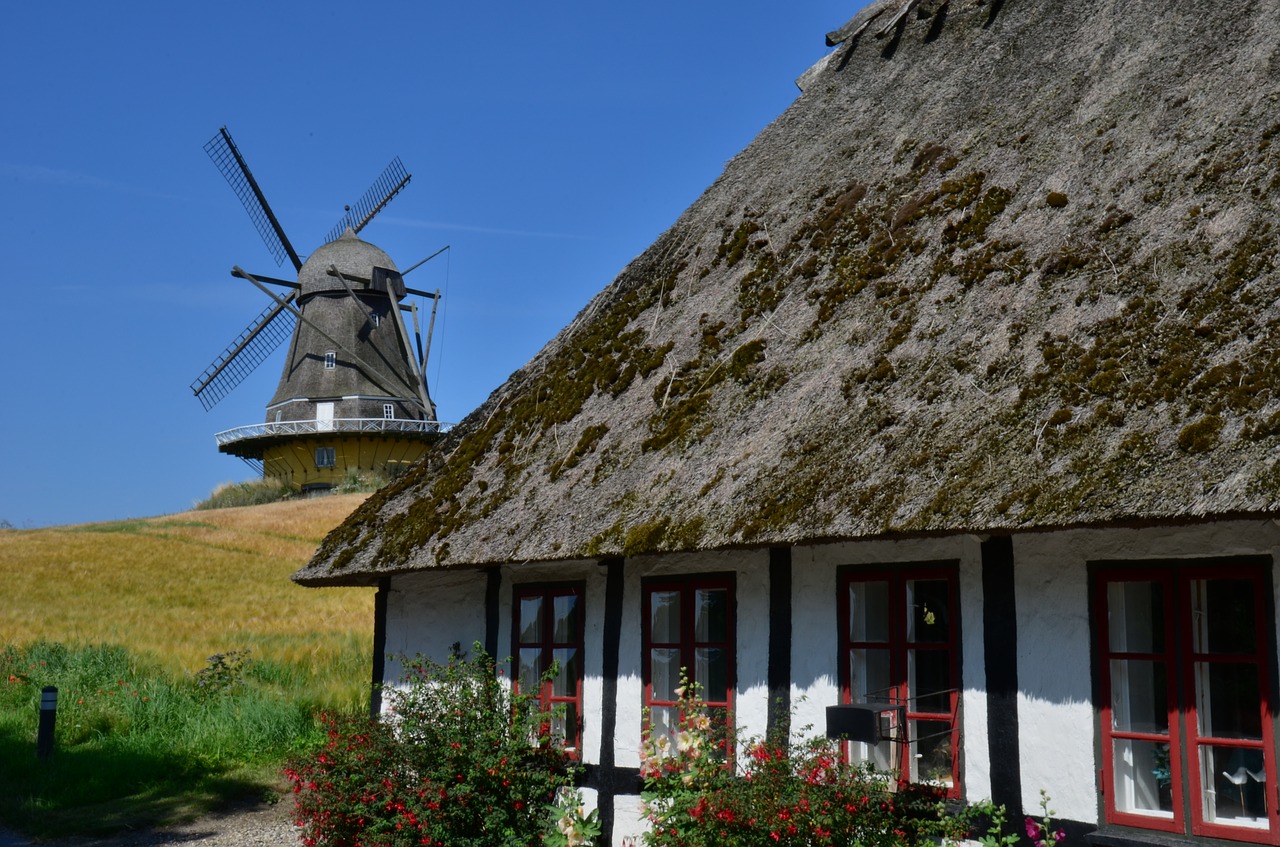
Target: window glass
{"points": [[930, 752], [664, 618], [710, 610], [869, 675], [547, 629], [688, 639], [1143, 777], [1239, 780], [712, 670], [900, 647], [530, 619], [1139, 696], [530, 672], [1227, 699], [929, 680], [566, 619], [1186, 724], [928, 608], [1136, 616], [664, 672], [869, 611], [1222, 614]]}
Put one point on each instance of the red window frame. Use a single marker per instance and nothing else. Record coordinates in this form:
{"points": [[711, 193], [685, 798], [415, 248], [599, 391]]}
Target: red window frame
{"points": [[545, 642], [1183, 737], [899, 647], [719, 703]]}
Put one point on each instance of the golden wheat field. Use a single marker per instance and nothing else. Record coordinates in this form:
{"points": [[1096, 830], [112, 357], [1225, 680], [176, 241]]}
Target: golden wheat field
{"points": [[179, 588]]}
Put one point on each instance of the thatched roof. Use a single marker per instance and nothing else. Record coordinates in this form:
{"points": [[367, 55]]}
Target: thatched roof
{"points": [[1012, 268]]}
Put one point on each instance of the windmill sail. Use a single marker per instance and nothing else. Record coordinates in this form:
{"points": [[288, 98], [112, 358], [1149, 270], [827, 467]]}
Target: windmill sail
{"points": [[224, 153], [258, 341], [394, 178]]}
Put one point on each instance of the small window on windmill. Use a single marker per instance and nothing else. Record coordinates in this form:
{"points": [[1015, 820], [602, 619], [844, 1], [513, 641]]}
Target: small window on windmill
{"points": [[330, 360], [326, 457], [388, 281], [375, 318], [388, 411]]}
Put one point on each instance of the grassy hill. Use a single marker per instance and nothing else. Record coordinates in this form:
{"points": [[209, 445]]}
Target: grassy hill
{"points": [[182, 587], [124, 618]]}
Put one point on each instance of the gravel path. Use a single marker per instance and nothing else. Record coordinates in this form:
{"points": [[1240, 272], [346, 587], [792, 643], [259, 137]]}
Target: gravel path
{"points": [[258, 825]]}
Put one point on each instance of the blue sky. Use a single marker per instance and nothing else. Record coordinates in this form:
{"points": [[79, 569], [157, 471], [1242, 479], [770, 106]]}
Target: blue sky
{"points": [[550, 143]]}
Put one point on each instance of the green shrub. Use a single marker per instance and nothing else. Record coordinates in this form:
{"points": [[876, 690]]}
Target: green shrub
{"points": [[465, 762], [252, 493], [771, 793]]}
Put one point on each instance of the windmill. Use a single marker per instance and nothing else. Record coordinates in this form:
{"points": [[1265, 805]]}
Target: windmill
{"points": [[353, 393]]}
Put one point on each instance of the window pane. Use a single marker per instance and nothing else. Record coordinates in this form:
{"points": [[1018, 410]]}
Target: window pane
{"points": [[664, 668], [711, 672], [879, 756], [530, 671], [530, 620], [927, 610], [564, 724], [869, 611], [929, 680], [930, 752], [1136, 617], [869, 675], [565, 609], [1142, 777], [1222, 616], [1139, 696], [1239, 793], [1228, 703], [566, 682], [664, 617], [710, 612]]}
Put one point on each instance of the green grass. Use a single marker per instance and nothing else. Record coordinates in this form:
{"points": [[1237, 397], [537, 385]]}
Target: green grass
{"points": [[165, 593], [136, 746]]}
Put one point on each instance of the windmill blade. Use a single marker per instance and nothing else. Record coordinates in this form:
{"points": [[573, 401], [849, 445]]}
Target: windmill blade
{"points": [[258, 341], [394, 178], [224, 153]]}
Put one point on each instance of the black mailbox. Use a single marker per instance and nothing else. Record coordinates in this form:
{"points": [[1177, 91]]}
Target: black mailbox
{"points": [[868, 722]]}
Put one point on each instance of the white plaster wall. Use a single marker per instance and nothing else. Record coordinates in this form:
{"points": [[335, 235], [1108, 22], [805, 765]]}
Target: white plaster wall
{"points": [[428, 612], [1058, 729], [628, 820]]}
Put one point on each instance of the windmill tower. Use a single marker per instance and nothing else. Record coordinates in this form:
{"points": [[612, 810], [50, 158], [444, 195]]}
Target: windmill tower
{"points": [[353, 394]]}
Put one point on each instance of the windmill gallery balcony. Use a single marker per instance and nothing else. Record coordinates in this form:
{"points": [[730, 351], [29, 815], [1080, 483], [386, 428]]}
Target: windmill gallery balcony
{"points": [[234, 440]]}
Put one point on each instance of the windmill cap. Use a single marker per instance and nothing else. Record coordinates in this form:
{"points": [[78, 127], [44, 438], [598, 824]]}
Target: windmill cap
{"points": [[354, 258]]}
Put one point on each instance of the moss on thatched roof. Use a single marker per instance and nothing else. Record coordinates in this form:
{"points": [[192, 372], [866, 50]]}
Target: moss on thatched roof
{"points": [[1013, 267]]}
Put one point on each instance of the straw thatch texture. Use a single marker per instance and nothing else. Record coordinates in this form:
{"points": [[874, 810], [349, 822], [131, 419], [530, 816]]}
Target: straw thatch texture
{"points": [[1013, 267]]}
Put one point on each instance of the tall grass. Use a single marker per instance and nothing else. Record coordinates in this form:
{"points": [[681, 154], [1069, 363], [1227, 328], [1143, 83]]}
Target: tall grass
{"points": [[134, 746], [122, 617], [253, 493]]}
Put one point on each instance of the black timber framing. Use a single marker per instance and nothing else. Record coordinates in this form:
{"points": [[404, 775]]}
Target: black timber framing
{"points": [[607, 778], [379, 646], [1000, 657], [779, 709]]}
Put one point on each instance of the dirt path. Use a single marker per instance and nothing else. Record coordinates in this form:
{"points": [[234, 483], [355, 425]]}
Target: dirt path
{"points": [[258, 825]]}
